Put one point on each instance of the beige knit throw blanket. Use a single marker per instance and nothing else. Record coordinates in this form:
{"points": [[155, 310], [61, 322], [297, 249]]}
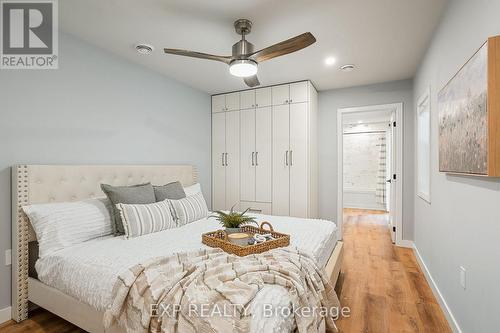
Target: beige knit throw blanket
{"points": [[210, 290]]}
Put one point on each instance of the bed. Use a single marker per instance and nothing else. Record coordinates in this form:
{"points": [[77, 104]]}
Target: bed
{"points": [[75, 283]]}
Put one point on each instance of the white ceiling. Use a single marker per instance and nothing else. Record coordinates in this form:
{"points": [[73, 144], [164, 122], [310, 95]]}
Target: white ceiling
{"points": [[386, 39]]}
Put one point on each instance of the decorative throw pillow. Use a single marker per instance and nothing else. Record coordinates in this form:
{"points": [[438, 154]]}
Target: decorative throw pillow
{"points": [[145, 219], [62, 224], [192, 190], [135, 194], [173, 191], [189, 209]]}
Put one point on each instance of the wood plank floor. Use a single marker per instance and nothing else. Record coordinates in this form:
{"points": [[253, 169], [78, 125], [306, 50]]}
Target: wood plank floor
{"points": [[383, 286]]}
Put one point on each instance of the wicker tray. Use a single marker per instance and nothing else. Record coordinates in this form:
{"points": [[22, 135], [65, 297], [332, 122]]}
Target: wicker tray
{"points": [[218, 239]]}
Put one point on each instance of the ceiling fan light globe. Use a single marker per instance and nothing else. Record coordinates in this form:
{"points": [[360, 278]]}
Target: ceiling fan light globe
{"points": [[243, 68]]}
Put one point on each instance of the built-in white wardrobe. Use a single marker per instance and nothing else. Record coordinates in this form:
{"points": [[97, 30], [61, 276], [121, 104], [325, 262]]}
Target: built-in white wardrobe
{"points": [[264, 150]]}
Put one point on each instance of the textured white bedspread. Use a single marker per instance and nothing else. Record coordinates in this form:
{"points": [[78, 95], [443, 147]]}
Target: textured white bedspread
{"points": [[88, 271]]}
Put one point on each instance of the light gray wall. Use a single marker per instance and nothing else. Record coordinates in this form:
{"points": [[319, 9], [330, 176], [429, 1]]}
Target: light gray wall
{"points": [[96, 109], [461, 226], [329, 103]]}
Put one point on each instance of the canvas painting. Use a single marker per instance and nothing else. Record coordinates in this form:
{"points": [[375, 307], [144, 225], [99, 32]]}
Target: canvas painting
{"points": [[463, 118]]}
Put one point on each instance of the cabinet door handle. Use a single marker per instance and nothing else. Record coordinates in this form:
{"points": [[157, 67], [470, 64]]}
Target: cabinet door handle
{"points": [[253, 210], [227, 163], [256, 158], [253, 163], [222, 159], [286, 158], [291, 157]]}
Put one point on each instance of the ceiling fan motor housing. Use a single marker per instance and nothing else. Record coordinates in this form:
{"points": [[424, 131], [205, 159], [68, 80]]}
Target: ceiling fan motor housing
{"points": [[241, 49]]}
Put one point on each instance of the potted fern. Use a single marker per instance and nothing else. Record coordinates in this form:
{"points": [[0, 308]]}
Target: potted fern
{"points": [[233, 221]]}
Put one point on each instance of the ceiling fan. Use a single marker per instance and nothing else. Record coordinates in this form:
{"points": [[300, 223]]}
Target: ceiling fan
{"points": [[244, 61]]}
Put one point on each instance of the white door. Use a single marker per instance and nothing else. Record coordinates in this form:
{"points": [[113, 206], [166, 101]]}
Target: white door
{"points": [[298, 92], [391, 194], [298, 160], [263, 154], [281, 160], [263, 97], [248, 155], [218, 103], [281, 94], [233, 101], [218, 162], [247, 99], [232, 159]]}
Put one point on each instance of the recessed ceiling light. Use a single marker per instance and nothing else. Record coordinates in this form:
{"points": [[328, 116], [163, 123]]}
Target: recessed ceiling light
{"points": [[360, 122], [144, 48], [347, 68], [330, 61]]}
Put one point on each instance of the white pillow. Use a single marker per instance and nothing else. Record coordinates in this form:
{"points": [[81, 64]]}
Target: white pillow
{"points": [[192, 190], [142, 219], [190, 209], [59, 225]]}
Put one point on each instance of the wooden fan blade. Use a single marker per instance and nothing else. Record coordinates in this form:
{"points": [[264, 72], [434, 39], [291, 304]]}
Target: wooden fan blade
{"points": [[252, 81], [288, 46], [193, 54]]}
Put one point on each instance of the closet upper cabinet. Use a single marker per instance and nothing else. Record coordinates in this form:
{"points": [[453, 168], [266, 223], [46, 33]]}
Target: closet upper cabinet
{"points": [[247, 99], [227, 102], [281, 94], [218, 103], [290, 93], [263, 97], [298, 92]]}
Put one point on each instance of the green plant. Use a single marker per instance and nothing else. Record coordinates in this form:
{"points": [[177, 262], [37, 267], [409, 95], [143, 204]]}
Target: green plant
{"points": [[233, 219]]}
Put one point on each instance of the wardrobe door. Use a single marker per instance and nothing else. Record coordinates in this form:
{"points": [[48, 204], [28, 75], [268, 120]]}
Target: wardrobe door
{"points": [[218, 103], [281, 94], [247, 99], [247, 155], [232, 159], [233, 101], [298, 160], [281, 161], [298, 92], [263, 154], [263, 97], [218, 162]]}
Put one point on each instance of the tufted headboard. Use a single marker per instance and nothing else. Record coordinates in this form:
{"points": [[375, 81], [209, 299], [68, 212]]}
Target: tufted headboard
{"points": [[61, 183]]}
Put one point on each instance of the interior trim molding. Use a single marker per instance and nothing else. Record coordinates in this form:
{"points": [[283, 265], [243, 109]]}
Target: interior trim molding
{"points": [[406, 243], [5, 314], [435, 290]]}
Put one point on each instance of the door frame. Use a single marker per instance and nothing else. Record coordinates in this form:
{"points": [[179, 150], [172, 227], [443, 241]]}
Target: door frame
{"points": [[398, 210]]}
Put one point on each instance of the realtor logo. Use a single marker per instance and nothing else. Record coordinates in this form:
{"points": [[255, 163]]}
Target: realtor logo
{"points": [[29, 34]]}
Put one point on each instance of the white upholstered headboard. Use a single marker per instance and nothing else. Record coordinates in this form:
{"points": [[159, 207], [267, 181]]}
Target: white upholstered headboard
{"points": [[59, 183]]}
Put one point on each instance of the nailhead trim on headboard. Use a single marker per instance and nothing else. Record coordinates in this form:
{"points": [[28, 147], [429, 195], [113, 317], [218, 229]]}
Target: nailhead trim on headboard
{"points": [[20, 265]]}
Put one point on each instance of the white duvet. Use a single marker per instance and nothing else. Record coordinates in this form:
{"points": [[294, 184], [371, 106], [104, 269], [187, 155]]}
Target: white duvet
{"points": [[88, 271]]}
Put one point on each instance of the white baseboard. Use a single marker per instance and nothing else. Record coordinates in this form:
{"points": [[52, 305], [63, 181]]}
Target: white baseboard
{"points": [[435, 290], [406, 243], [5, 314]]}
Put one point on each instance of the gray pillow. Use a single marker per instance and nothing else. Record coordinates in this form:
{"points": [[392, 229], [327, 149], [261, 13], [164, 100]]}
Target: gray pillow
{"points": [[134, 194], [172, 191]]}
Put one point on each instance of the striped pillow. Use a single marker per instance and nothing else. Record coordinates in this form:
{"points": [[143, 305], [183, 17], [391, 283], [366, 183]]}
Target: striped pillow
{"points": [[62, 224], [145, 219], [189, 209]]}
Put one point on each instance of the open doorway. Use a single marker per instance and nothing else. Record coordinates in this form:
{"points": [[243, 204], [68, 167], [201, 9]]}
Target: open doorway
{"points": [[370, 161]]}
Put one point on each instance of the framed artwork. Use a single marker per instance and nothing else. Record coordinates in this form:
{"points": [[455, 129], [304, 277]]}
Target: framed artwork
{"points": [[469, 116]]}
